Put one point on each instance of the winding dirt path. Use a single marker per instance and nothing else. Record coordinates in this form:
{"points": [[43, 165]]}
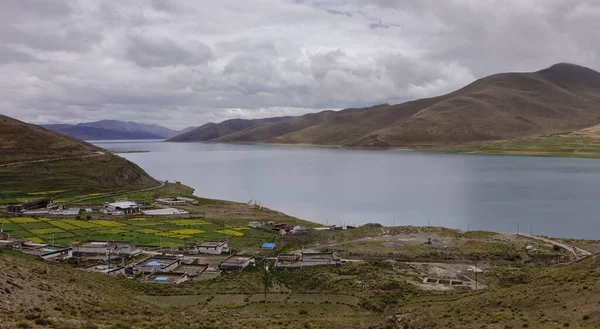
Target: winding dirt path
{"points": [[95, 154]]}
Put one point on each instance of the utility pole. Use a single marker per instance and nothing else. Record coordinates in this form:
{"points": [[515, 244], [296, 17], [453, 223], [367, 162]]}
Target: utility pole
{"points": [[518, 227], [476, 270]]}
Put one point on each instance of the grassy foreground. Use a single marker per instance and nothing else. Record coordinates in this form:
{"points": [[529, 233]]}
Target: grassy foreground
{"points": [[552, 146]]}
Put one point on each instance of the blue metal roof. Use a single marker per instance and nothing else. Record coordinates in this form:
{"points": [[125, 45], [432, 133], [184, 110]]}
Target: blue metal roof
{"points": [[268, 245]]}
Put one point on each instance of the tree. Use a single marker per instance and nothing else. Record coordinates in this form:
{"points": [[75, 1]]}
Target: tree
{"points": [[267, 279]]}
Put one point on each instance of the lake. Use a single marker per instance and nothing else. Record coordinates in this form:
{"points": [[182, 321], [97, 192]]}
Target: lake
{"points": [[550, 196]]}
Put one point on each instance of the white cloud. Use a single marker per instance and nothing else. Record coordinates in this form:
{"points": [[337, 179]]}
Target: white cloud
{"points": [[186, 62]]}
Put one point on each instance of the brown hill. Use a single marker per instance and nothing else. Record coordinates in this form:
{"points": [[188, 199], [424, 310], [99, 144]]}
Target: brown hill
{"points": [[562, 98], [23, 141], [212, 131], [51, 161]]}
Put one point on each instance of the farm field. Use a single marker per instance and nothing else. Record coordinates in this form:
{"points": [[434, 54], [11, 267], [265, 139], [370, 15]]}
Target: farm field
{"points": [[144, 231]]}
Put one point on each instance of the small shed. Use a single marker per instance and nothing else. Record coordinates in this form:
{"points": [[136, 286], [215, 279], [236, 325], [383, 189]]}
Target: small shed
{"points": [[268, 246]]}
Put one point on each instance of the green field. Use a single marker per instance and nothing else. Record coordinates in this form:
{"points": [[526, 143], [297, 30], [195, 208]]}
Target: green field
{"points": [[162, 231], [553, 146]]}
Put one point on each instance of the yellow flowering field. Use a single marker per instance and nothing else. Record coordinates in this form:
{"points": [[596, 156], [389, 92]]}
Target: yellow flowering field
{"points": [[23, 220], [231, 232]]}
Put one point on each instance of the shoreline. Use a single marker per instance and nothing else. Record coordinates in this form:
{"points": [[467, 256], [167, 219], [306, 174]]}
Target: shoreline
{"points": [[461, 149]]}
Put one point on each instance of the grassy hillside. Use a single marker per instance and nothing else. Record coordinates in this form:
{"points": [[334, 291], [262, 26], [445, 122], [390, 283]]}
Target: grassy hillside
{"points": [[20, 141], [65, 166], [553, 146], [562, 98], [557, 297]]}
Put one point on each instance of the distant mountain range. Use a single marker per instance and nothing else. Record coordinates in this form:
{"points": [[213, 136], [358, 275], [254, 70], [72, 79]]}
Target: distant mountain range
{"points": [[561, 98], [114, 129]]}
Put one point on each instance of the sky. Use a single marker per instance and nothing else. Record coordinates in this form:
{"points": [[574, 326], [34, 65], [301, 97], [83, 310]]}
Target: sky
{"points": [[187, 62]]}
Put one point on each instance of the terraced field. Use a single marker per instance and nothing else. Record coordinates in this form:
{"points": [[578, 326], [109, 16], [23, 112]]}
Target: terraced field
{"points": [[144, 231]]}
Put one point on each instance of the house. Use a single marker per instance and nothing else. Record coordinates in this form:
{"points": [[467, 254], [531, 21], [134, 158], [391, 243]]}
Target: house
{"points": [[307, 259], [156, 265], [287, 260], [120, 207], [50, 252], [236, 262], [212, 247], [170, 201], [104, 247], [164, 212], [255, 224], [64, 211], [268, 246], [319, 258], [15, 208], [36, 206]]}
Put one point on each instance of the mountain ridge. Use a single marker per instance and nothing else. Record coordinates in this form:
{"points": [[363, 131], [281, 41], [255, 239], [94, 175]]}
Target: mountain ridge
{"points": [[115, 129], [562, 97]]}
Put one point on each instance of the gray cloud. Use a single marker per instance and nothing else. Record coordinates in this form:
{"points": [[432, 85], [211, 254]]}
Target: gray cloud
{"points": [[186, 62], [148, 51]]}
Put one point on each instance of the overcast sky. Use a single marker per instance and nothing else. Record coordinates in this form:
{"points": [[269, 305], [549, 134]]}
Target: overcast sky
{"points": [[182, 63]]}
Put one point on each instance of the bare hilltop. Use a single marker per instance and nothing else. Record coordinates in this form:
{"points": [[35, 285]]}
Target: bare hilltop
{"points": [[558, 99]]}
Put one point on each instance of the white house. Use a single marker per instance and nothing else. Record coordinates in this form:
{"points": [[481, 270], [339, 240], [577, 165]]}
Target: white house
{"points": [[212, 247], [237, 262], [121, 207]]}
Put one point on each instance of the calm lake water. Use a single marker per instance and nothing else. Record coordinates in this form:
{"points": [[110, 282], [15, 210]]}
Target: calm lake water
{"points": [[550, 196]]}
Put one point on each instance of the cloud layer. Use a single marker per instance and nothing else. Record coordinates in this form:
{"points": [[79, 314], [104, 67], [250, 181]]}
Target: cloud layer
{"points": [[181, 63]]}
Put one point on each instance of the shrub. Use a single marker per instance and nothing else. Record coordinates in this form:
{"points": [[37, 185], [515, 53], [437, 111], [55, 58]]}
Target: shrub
{"points": [[23, 324], [43, 322], [303, 312], [586, 316]]}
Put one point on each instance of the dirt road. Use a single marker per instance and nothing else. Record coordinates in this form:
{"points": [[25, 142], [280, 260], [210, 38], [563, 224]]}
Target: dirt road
{"points": [[576, 252]]}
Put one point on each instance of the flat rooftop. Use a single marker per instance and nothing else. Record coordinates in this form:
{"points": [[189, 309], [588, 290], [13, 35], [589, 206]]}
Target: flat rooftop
{"points": [[165, 211], [191, 269], [101, 244], [158, 262], [211, 243], [237, 260]]}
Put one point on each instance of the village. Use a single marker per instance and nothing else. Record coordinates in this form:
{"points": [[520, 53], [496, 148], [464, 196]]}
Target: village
{"points": [[198, 260], [163, 243]]}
